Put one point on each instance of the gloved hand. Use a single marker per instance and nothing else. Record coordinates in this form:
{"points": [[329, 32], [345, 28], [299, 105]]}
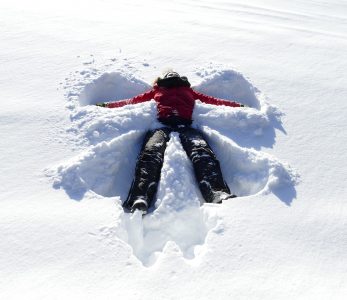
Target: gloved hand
{"points": [[101, 104], [243, 105]]}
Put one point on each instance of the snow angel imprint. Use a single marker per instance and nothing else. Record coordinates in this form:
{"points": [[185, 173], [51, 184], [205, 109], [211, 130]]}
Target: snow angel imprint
{"points": [[175, 104]]}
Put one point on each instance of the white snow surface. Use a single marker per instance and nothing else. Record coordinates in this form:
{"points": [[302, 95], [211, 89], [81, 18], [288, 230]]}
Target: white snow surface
{"points": [[67, 165]]}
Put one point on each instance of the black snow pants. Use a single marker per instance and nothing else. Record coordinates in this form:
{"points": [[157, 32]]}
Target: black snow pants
{"points": [[150, 161]]}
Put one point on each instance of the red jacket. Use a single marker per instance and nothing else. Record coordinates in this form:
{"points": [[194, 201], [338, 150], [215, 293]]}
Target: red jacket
{"points": [[176, 101]]}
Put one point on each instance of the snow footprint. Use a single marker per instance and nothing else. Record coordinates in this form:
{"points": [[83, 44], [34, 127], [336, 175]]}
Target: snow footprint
{"points": [[156, 236]]}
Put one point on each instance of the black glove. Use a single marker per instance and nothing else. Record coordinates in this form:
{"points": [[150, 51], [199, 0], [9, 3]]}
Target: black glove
{"points": [[243, 105], [101, 104]]}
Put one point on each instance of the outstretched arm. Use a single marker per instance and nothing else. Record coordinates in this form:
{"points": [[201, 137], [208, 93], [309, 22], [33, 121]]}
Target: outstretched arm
{"points": [[215, 101], [137, 99]]}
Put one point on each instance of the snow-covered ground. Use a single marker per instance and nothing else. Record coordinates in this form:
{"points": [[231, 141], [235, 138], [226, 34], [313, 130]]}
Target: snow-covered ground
{"points": [[66, 165]]}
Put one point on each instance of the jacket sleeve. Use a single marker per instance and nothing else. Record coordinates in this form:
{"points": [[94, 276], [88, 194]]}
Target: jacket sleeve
{"points": [[215, 101], [137, 99]]}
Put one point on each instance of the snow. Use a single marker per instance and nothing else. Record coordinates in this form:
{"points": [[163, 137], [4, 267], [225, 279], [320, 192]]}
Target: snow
{"points": [[67, 165]]}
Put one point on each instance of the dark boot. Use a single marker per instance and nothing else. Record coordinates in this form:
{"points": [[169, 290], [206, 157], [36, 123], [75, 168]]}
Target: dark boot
{"points": [[141, 205], [148, 168], [219, 197]]}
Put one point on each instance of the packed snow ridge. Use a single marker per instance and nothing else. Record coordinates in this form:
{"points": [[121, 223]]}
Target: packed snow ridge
{"points": [[113, 138]]}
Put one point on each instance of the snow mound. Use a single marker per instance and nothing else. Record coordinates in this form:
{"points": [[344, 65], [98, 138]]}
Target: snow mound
{"points": [[112, 139], [105, 168], [248, 171], [177, 188], [253, 126], [110, 87], [229, 84], [182, 233], [95, 124]]}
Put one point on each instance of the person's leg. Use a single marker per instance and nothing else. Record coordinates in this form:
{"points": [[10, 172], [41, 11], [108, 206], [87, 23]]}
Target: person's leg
{"points": [[147, 172], [206, 166]]}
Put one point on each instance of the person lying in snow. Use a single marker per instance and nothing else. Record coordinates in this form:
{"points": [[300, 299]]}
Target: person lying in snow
{"points": [[175, 103]]}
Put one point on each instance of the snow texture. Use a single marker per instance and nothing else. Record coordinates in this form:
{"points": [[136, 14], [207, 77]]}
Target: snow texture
{"points": [[67, 165]]}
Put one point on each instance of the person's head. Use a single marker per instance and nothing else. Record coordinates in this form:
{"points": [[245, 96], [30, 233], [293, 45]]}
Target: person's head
{"points": [[172, 79]]}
